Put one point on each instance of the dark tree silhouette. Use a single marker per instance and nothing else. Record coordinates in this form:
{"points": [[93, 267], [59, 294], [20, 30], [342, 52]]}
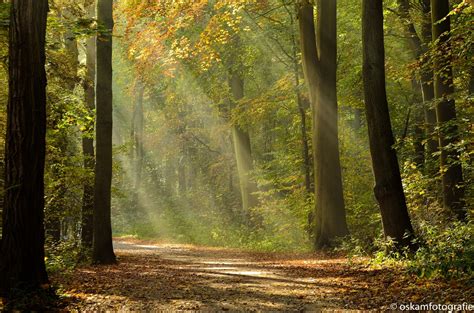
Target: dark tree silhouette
{"points": [[22, 249]]}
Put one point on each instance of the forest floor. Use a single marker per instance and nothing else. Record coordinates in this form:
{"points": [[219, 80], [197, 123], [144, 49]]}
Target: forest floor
{"points": [[153, 276]]}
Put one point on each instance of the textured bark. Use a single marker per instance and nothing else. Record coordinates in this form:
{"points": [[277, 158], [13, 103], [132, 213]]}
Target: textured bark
{"points": [[243, 151], [103, 252], [87, 216], [451, 170], [320, 65], [22, 248], [388, 185]]}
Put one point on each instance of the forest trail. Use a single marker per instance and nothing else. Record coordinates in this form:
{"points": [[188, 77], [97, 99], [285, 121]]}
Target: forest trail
{"points": [[185, 277]]}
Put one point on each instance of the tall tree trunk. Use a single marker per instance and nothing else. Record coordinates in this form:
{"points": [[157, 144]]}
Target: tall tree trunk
{"points": [[182, 176], [319, 64], [418, 46], [419, 148], [427, 86], [302, 112], [451, 170], [243, 152], [87, 216], [22, 247], [103, 252], [137, 135], [388, 185]]}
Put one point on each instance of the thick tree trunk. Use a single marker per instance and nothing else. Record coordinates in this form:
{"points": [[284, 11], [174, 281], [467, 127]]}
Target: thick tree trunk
{"points": [[451, 170], [22, 248], [388, 185], [243, 151], [320, 73], [87, 216], [103, 252]]}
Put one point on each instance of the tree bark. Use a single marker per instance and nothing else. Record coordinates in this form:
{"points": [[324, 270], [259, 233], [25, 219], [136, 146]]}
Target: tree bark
{"points": [[451, 170], [388, 185], [103, 252], [320, 65], [87, 216], [22, 247], [243, 151]]}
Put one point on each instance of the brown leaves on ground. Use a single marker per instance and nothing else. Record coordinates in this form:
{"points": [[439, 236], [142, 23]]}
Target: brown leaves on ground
{"points": [[185, 277]]}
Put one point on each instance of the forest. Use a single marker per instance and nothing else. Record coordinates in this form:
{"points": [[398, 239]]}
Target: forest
{"points": [[261, 155]]}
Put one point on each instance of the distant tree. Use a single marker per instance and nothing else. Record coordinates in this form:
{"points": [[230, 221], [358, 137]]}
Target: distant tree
{"points": [[319, 54], [103, 252], [451, 170], [22, 247], [137, 134], [388, 185], [242, 148]]}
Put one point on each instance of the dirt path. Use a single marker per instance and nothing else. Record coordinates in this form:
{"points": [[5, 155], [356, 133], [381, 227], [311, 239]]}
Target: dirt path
{"points": [[182, 277]]}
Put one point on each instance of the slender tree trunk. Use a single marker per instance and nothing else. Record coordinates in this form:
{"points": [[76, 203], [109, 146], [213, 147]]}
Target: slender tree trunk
{"points": [[451, 170], [182, 176], [22, 247], [357, 121], [87, 217], [471, 82], [418, 47], [388, 185], [427, 86], [302, 113], [170, 175], [243, 152], [103, 252], [419, 148], [137, 135], [319, 63]]}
